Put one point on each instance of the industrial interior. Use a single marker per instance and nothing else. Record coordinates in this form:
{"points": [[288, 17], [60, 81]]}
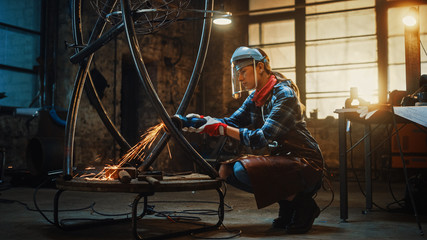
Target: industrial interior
{"points": [[96, 140]]}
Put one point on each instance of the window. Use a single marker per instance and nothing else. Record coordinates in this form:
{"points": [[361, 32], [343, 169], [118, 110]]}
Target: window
{"points": [[341, 49], [279, 47], [270, 6], [19, 50], [341, 53]]}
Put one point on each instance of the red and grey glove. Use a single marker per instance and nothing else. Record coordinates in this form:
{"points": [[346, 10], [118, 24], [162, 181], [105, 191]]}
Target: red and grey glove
{"points": [[213, 127]]}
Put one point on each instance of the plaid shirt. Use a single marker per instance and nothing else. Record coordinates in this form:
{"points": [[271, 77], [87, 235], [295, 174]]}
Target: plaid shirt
{"points": [[278, 120]]}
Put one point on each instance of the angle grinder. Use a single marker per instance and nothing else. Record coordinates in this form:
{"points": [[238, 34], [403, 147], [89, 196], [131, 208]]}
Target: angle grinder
{"points": [[187, 122]]}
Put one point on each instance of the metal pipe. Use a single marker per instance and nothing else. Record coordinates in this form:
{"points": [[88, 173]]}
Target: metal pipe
{"points": [[146, 81], [18, 69], [194, 80], [18, 29], [98, 43]]}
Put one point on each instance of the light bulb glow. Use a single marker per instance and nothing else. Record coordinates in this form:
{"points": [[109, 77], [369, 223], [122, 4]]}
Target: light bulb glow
{"points": [[222, 21], [409, 21]]}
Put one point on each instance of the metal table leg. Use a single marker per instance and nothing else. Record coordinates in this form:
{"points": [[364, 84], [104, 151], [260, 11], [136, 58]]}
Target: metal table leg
{"points": [[343, 167], [368, 168]]}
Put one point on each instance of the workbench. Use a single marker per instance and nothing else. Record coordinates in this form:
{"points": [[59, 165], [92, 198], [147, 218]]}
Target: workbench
{"points": [[367, 116]]}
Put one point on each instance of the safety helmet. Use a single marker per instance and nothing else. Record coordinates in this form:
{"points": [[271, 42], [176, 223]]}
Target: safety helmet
{"points": [[243, 57]]}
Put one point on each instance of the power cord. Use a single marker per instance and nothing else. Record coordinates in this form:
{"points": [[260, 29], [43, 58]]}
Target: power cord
{"points": [[328, 182], [173, 217], [389, 136], [404, 170], [355, 174], [235, 233]]}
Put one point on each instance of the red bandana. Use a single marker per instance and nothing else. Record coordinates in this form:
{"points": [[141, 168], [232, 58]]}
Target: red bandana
{"points": [[261, 96]]}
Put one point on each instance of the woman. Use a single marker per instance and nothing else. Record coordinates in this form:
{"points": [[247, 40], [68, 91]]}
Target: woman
{"points": [[271, 119]]}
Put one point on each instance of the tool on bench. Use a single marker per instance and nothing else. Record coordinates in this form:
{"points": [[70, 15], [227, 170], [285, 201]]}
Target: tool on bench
{"points": [[152, 177], [123, 174]]}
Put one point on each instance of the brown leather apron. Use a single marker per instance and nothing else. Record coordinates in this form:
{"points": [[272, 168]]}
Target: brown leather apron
{"points": [[275, 178]]}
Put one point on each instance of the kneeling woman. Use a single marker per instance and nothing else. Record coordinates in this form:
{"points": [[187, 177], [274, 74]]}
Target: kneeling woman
{"points": [[271, 118]]}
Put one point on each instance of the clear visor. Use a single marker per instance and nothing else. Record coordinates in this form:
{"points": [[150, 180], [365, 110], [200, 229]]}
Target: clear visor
{"points": [[236, 79]]}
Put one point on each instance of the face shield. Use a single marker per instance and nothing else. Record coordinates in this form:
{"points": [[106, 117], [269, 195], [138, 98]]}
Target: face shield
{"points": [[237, 75], [243, 57]]}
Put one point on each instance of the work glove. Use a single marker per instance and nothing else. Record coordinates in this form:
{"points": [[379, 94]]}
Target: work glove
{"points": [[213, 127]]}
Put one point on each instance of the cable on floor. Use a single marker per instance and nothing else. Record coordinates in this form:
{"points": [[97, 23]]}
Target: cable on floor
{"points": [[184, 215]]}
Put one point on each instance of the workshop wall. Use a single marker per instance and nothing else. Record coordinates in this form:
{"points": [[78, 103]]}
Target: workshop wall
{"points": [[169, 55]]}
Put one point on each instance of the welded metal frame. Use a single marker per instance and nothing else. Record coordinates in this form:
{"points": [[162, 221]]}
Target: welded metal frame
{"points": [[85, 223], [84, 57]]}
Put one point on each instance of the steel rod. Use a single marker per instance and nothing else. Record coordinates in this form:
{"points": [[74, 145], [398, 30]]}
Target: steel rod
{"points": [[98, 43]]}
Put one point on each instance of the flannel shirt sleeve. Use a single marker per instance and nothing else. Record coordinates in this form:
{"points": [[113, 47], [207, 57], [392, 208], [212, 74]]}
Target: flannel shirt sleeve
{"points": [[241, 117], [280, 120]]}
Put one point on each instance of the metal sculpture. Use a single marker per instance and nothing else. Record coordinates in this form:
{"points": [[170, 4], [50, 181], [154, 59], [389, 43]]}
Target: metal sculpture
{"points": [[136, 17], [140, 17]]}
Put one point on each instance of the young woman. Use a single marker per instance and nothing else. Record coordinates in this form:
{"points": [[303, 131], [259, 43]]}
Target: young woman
{"points": [[271, 118]]}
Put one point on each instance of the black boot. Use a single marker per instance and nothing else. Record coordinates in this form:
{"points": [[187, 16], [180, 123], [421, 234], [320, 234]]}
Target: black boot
{"points": [[306, 210], [285, 215]]}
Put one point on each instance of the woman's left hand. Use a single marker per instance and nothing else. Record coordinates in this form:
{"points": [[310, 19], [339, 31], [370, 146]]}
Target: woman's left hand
{"points": [[213, 127]]}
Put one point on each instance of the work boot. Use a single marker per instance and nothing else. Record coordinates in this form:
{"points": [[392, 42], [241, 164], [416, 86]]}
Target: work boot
{"points": [[285, 215], [306, 210]]}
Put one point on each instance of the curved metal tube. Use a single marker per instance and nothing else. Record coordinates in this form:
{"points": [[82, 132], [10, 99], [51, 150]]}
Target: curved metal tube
{"points": [[70, 128], [146, 81], [194, 80], [99, 107]]}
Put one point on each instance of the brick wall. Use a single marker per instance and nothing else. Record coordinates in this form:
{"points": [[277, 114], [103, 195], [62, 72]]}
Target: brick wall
{"points": [[170, 55]]}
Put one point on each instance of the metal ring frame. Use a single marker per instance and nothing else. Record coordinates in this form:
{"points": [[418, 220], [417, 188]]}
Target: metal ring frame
{"points": [[84, 58]]}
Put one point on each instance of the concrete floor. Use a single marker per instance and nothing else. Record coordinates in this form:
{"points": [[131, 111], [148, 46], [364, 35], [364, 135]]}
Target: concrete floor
{"points": [[16, 222]]}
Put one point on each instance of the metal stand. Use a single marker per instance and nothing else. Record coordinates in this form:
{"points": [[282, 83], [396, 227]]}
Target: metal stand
{"points": [[175, 234], [144, 190]]}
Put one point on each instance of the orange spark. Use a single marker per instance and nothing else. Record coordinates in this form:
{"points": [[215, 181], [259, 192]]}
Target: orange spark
{"points": [[136, 152]]}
